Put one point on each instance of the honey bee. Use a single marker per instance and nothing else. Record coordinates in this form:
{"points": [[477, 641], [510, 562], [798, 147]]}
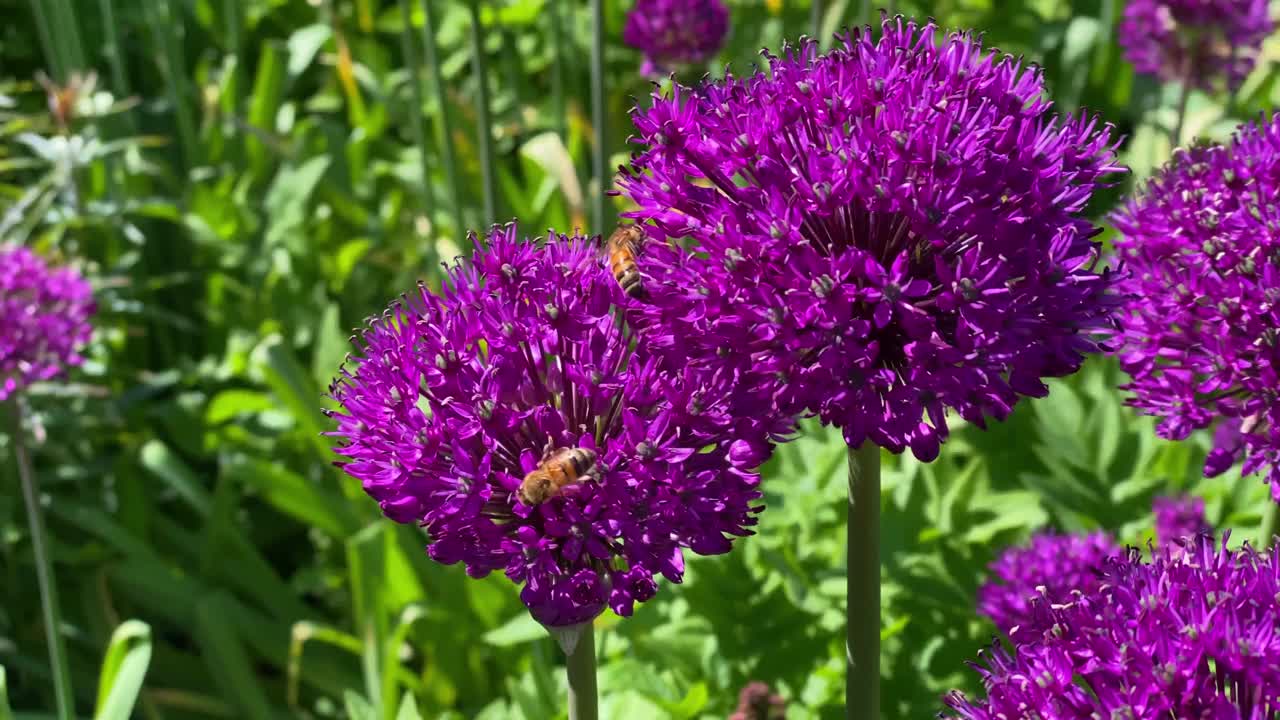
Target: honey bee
{"points": [[621, 250], [558, 469]]}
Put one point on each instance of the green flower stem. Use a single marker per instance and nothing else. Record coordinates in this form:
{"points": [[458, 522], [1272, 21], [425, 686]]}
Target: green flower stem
{"points": [[483, 114], [862, 649], [581, 669], [598, 119], [44, 567]]}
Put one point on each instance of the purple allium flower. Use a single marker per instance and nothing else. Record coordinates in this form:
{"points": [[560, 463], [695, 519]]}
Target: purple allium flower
{"points": [[1202, 329], [890, 230], [673, 33], [1177, 518], [1199, 42], [1189, 635], [457, 396], [44, 319], [1047, 570], [758, 702]]}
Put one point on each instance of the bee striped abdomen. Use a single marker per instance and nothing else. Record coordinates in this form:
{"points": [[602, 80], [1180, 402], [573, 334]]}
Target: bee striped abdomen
{"points": [[621, 250], [557, 470]]}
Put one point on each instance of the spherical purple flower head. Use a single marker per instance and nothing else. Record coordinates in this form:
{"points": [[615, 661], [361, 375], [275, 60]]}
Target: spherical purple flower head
{"points": [[1047, 570], [1177, 518], [1205, 43], [1202, 329], [44, 319], [1188, 635], [758, 702], [457, 396], [893, 229], [674, 33]]}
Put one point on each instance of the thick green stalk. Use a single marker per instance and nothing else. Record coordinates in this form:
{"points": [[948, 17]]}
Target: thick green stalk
{"points": [[557, 70], [44, 566], [862, 648], [581, 670], [413, 62], [815, 19], [444, 138], [485, 124], [599, 120], [1184, 95]]}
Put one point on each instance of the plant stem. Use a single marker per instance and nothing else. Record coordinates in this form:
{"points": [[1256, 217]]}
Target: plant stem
{"points": [[412, 62], [482, 111], [444, 137], [862, 649], [581, 669], [1183, 96], [1268, 530], [598, 119], [815, 19], [44, 567]]}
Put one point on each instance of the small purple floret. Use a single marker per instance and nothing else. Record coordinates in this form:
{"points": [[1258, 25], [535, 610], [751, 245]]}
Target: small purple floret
{"points": [[44, 319], [1204, 43], [1047, 570], [676, 33]]}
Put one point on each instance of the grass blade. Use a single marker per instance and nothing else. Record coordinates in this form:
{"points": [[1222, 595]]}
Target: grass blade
{"points": [[115, 56], [413, 61], [52, 52], [557, 69], [444, 137], [44, 567], [598, 119], [69, 31], [167, 29], [484, 126], [123, 669]]}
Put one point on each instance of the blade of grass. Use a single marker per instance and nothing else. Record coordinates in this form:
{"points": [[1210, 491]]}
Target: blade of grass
{"points": [[485, 126], [69, 31], [557, 69], [232, 10], [115, 57], [414, 63], [5, 712], [167, 29], [52, 51], [123, 669], [598, 119], [444, 138], [62, 692]]}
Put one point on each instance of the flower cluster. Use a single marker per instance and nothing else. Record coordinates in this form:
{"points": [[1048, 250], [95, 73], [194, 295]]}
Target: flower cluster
{"points": [[1202, 332], [889, 230], [674, 33], [758, 702], [44, 319], [517, 370], [1203, 43], [1177, 518], [1189, 635], [1047, 570]]}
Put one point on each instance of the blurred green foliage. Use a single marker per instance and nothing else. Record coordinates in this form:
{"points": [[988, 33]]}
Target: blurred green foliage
{"points": [[251, 178]]}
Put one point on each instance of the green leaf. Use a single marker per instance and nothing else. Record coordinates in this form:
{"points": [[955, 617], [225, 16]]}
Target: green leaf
{"points": [[229, 404], [123, 670], [408, 708], [5, 712], [518, 630], [162, 462], [357, 707], [226, 659], [295, 496], [304, 44]]}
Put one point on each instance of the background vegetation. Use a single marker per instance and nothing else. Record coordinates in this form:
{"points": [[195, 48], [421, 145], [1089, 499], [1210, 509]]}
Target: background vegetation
{"points": [[252, 178]]}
